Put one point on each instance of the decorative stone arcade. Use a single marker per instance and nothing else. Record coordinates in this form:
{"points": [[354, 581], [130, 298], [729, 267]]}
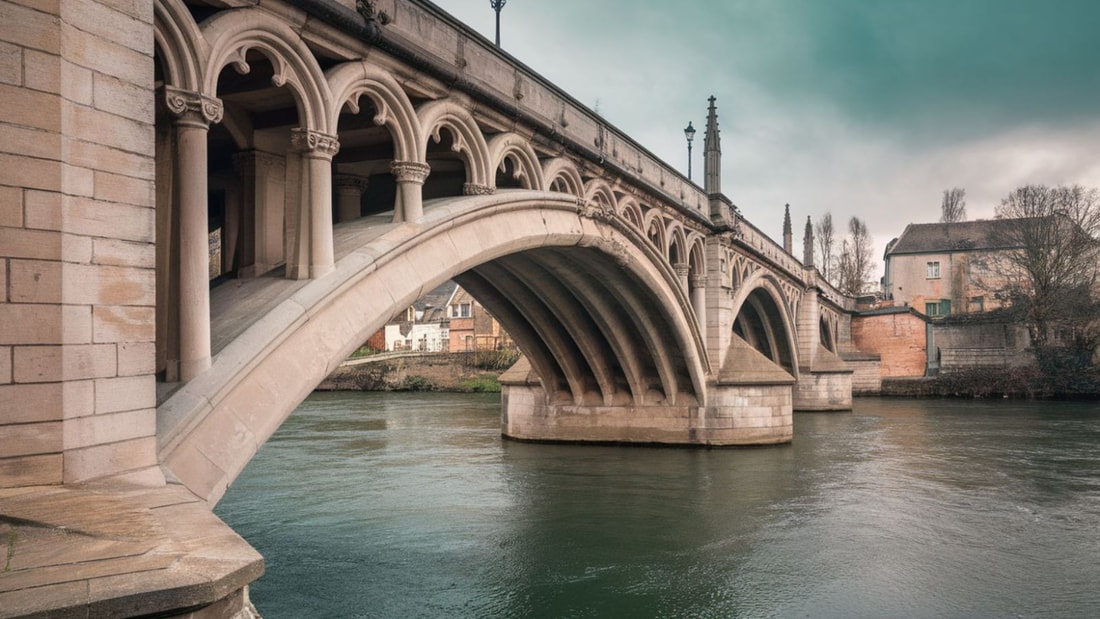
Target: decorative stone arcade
{"points": [[346, 162]]}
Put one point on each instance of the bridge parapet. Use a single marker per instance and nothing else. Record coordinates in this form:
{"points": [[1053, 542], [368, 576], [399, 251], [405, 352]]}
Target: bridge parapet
{"points": [[421, 34]]}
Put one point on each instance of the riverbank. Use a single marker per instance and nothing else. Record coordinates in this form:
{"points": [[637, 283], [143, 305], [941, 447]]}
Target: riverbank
{"points": [[1019, 383], [479, 372], [464, 372]]}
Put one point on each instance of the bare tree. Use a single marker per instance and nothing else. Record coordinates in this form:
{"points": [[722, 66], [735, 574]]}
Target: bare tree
{"points": [[854, 262], [823, 232], [1052, 256], [953, 206]]}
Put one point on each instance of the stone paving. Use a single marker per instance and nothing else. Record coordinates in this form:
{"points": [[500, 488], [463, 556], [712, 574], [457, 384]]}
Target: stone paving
{"points": [[70, 551]]}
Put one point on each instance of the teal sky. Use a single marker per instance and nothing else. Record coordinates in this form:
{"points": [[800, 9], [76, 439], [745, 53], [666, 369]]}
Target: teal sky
{"points": [[856, 107]]}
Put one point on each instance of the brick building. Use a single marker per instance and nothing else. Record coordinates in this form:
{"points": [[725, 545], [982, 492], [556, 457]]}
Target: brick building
{"points": [[942, 269]]}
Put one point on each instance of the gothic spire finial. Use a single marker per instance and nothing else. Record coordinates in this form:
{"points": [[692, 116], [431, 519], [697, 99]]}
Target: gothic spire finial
{"points": [[712, 152], [788, 234], [808, 244]]}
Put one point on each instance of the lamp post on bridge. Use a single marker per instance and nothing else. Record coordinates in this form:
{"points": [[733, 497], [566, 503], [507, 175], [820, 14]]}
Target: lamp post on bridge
{"points": [[497, 6], [689, 133]]}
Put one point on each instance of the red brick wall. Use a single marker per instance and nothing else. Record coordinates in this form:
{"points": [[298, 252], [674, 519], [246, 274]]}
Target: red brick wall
{"points": [[898, 338]]}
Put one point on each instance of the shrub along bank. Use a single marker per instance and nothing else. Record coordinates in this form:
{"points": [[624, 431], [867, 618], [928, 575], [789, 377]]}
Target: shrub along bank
{"points": [[462, 372]]}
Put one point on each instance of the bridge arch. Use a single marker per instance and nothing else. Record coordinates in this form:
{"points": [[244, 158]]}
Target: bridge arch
{"points": [[655, 231], [511, 147], [677, 246], [352, 80], [599, 191], [468, 141], [233, 34], [600, 314], [631, 211], [560, 174], [179, 44], [763, 319]]}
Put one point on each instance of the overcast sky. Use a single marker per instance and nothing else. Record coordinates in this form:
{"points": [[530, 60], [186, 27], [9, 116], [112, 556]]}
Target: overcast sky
{"points": [[868, 108]]}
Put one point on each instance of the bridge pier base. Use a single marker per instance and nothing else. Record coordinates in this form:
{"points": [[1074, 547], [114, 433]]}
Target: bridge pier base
{"points": [[735, 415], [826, 386]]}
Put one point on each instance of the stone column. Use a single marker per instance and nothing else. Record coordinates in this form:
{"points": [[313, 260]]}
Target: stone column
{"points": [[699, 301], [349, 196], [315, 229], [808, 328], [683, 269], [193, 115], [410, 177]]}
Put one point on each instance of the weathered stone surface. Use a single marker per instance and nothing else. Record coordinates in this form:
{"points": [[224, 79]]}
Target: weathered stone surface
{"points": [[29, 28], [117, 252], [11, 64], [136, 358], [100, 461], [5, 365], [125, 393], [30, 470], [32, 323], [31, 173], [35, 281], [30, 439], [98, 429], [118, 552], [123, 323], [42, 71], [40, 364], [31, 108]]}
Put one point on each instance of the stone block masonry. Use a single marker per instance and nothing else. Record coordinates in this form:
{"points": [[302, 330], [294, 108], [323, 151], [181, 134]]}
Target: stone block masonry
{"points": [[77, 394]]}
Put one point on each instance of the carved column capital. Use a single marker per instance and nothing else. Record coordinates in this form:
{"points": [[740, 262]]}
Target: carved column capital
{"points": [[314, 143], [682, 269], [698, 281], [350, 182], [192, 107], [410, 171], [474, 189]]}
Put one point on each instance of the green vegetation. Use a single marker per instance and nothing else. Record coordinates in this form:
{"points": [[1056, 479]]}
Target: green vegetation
{"points": [[364, 351], [11, 551], [1058, 375], [416, 383], [482, 383], [494, 360]]}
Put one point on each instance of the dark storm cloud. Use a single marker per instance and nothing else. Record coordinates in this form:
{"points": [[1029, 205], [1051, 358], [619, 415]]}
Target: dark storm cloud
{"points": [[957, 65]]}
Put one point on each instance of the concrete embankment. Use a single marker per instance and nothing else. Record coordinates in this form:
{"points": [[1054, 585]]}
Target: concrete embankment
{"points": [[405, 371]]}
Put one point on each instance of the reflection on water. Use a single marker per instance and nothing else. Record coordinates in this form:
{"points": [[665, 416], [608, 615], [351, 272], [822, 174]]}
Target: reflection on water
{"points": [[410, 505]]}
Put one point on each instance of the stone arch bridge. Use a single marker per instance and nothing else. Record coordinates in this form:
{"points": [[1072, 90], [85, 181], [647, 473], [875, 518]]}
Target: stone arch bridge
{"points": [[205, 205], [348, 162]]}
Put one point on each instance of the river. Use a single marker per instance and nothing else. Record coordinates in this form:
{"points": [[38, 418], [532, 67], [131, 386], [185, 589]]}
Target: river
{"points": [[411, 505]]}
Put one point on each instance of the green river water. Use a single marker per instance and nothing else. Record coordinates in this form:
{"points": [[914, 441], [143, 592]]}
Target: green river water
{"points": [[411, 505]]}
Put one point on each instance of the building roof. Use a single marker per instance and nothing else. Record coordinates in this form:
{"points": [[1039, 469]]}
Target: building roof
{"points": [[434, 304], [943, 238]]}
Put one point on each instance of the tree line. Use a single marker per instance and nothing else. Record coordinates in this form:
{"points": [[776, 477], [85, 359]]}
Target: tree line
{"points": [[846, 263]]}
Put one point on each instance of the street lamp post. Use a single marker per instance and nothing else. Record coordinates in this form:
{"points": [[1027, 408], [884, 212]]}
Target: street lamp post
{"points": [[497, 6], [689, 133]]}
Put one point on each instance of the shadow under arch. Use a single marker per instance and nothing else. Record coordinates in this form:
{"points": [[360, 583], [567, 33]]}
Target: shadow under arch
{"points": [[762, 322], [605, 323]]}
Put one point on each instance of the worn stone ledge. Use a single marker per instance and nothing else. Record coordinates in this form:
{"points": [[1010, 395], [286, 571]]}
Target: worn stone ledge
{"points": [[88, 551]]}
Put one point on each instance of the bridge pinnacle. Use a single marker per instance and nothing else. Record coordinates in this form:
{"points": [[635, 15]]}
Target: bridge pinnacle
{"points": [[712, 152], [808, 244], [788, 233]]}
